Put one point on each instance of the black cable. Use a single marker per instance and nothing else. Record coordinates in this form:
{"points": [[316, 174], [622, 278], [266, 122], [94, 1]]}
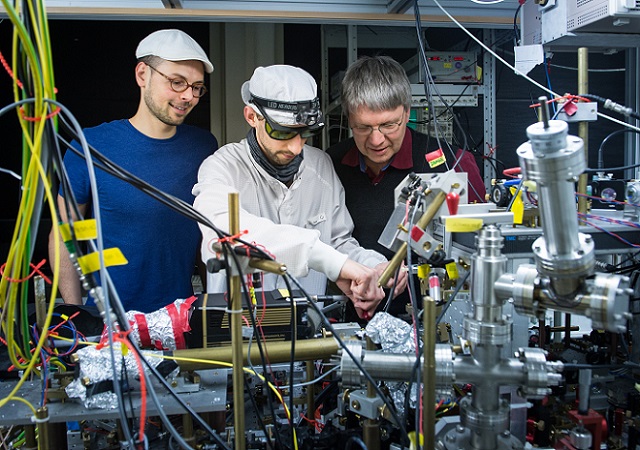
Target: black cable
{"points": [[562, 106], [331, 390], [117, 310], [172, 202], [516, 29], [120, 313], [494, 162], [132, 411], [230, 255], [393, 288], [605, 140], [124, 326], [255, 407], [630, 258], [415, 308], [168, 200], [355, 360], [448, 108], [294, 337], [628, 269], [407, 396], [357, 440], [613, 106], [591, 366], [608, 169], [429, 81]]}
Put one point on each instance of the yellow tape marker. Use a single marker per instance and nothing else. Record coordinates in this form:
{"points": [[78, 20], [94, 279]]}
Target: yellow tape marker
{"points": [[85, 230], [452, 270], [112, 257], [284, 293], [423, 271], [517, 208], [462, 224]]}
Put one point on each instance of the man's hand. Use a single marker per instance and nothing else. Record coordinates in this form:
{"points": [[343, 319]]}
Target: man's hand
{"points": [[360, 284], [403, 278]]}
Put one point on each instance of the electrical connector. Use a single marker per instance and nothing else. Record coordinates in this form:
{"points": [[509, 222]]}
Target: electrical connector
{"points": [[617, 107]]}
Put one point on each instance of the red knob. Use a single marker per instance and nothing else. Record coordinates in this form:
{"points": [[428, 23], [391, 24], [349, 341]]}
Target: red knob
{"points": [[453, 200]]}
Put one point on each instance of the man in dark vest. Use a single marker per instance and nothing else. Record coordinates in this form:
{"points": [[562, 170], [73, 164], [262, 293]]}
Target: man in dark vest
{"points": [[376, 97]]}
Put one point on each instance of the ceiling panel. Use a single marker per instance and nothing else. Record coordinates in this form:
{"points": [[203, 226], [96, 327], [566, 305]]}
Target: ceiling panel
{"points": [[359, 12]]}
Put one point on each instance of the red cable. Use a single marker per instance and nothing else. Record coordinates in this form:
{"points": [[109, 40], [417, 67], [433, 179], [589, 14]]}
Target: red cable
{"points": [[37, 119], [121, 337], [512, 172], [10, 72], [233, 237], [36, 269]]}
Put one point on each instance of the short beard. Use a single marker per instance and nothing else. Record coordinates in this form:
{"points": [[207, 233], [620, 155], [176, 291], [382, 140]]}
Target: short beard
{"points": [[158, 113]]}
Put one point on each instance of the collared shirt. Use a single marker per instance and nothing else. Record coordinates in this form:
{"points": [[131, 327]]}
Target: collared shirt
{"points": [[286, 221], [402, 160]]}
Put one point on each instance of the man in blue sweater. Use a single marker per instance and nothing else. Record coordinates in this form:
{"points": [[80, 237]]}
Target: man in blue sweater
{"points": [[161, 245]]}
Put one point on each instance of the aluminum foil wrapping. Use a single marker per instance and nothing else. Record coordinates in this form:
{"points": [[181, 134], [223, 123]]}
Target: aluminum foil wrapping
{"points": [[95, 366], [392, 334], [162, 329], [398, 392]]}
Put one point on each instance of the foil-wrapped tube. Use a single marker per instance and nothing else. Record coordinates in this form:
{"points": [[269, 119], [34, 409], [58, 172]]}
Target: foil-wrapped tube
{"points": [[94, 384], [162, 329], [398, 393], [392, 334]]}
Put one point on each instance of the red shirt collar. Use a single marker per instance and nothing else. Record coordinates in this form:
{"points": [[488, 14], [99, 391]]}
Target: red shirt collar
{"points": [[401, 160]]}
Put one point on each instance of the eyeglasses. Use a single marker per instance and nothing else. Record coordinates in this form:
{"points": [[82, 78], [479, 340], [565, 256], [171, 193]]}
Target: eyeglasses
{"points": [[180, 85], [282, 133], [385, 128]]}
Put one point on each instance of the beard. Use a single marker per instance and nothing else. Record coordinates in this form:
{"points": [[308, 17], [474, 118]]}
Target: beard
{"points": [[163, 114]]}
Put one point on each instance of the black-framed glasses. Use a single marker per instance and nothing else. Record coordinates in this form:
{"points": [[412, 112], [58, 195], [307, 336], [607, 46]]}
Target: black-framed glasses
{"points": [[386, 128], [181, 85], [283, 133]]}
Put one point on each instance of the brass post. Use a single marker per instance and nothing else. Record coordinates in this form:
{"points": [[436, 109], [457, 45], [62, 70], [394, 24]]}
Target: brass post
{"points": [[429, 373], [371, 427], [188, 431], [583, 127], [311, 405], [50, 435], [30, 440], [235, 305], [428, 215], [279, 352]]}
